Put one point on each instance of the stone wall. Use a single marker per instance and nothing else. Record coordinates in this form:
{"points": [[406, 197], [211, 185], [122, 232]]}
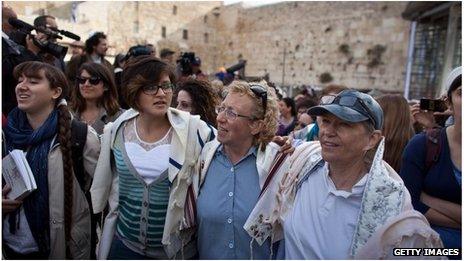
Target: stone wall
{"points": [[358, 44]]}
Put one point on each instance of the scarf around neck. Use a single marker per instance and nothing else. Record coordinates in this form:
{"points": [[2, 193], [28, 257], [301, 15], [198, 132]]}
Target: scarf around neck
{"points": [[20, 135]]}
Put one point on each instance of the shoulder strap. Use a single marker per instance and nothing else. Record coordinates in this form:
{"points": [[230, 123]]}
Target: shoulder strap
{"points": [[278, 160], [190, 205], [433, 147], [78, 139]]}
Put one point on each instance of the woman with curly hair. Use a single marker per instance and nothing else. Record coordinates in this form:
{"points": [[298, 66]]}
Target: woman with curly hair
{"points": [[53, 222], [198, 98], [95, 98], [233, 170]]}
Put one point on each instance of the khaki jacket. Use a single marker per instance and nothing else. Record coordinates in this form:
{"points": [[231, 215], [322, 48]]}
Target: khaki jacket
{"points": [[80, 231]]}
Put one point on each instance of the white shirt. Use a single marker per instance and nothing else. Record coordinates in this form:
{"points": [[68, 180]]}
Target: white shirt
{"points": [[323, 219], [22, 241], [149, 159]]}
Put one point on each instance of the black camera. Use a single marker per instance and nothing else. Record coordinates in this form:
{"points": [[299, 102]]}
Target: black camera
{"points": [[24, 29], [433, 105], [185, 63]]}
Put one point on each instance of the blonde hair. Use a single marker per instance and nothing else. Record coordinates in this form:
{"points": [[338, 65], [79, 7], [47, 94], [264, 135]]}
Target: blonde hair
{"points": [[269, 118]]}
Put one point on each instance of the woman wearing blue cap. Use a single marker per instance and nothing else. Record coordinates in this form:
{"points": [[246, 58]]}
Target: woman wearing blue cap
{"points": [[340, 200]]}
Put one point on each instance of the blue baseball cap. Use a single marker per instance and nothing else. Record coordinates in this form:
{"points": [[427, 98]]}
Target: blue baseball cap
{"points": [[351, 106]]}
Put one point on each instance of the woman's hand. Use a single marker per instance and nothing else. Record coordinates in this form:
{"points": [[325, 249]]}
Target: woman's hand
{"points": [[8, 205], [443, 212], [424, 118]]}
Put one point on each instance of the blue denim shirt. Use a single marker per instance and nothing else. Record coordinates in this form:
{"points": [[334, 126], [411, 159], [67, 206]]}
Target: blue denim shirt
{"points": [[227, 197]]}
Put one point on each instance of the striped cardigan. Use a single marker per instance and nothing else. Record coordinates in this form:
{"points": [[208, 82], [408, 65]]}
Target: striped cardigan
{"points": [[189, 136]]}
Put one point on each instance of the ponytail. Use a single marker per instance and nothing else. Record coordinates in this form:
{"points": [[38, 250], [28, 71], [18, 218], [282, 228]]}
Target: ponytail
{"points": [[64, 137]]}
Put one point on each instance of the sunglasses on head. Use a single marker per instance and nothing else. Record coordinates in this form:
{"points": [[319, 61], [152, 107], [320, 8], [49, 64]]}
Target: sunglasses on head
{"points": [[94, 80], [260, 92], [350, 101]]}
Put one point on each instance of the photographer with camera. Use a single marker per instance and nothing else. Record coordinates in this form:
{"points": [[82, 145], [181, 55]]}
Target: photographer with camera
{"points": [[432, 169], [38, 45], [189, 67], [95, 51]]}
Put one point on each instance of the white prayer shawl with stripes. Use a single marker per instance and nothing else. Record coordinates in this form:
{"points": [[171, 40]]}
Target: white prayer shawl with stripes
{"points": [[189, 137]]}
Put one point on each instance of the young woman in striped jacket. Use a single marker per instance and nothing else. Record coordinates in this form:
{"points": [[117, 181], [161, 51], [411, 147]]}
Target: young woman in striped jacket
{"points": [[144, 169]]}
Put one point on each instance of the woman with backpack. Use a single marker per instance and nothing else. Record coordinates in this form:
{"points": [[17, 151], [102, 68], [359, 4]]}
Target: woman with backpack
{"points": [[53, 222], [431, 170], [145, 166]]}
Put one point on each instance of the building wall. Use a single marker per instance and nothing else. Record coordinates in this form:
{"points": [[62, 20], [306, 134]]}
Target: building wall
{"points": [[312, 33], [360, 44]]}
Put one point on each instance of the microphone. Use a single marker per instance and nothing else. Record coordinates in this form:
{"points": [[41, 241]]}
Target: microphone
{"points": [[70, 35], [20, 24]]}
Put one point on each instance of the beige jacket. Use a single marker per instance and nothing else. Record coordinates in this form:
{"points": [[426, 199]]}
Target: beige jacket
{"points": [[80, 232], [190, 135]]}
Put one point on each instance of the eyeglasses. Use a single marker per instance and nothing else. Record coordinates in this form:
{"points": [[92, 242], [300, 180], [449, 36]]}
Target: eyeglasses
{"points": [[94, 80], [260, 92], [350, 101], [153, 89], [230, 114]]}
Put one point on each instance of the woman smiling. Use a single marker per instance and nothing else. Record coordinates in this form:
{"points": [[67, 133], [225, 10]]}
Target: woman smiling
{"points": [[95, 98]]}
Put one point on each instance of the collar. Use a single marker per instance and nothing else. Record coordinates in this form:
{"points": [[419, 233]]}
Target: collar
{"points": [[357, 188], [252, 151], [103, 114], [179, 121], [96, 58]]}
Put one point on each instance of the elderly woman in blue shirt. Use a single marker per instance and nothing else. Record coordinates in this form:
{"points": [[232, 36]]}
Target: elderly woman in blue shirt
{"points": [[233, 170]]}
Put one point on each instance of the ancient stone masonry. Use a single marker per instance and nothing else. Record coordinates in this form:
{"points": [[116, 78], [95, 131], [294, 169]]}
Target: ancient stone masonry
{"points": [[359, 44], [311, 33]]}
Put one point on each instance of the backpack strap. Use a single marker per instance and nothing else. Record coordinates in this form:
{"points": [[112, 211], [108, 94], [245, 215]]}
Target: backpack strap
{"points": [[78, 140], [433, 147]]}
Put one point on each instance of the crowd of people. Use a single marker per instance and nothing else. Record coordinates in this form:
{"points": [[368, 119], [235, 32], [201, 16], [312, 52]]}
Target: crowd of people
{"points": [[149, 159]]}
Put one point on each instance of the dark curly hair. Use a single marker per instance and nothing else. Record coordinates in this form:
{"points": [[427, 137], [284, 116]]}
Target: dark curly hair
{"points": [[93, 41], [204, 99]]}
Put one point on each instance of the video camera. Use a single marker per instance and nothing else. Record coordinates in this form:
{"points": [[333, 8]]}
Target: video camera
{"points": [[24, 29], [185, 62]]}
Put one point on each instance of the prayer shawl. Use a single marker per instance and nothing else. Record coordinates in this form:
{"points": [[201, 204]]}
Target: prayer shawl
{"points": [[189, 137], [385, 221]]}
